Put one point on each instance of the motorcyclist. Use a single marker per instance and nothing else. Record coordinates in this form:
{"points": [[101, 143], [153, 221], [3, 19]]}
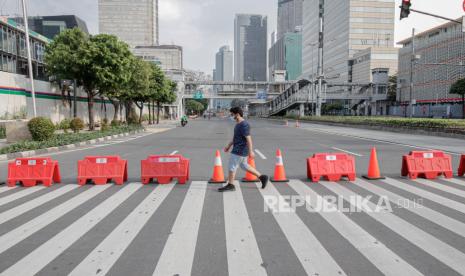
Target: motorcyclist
{"points": [[184, 120]]}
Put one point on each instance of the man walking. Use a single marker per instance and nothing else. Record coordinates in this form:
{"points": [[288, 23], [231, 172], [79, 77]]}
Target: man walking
{"points": [[242, 148]]}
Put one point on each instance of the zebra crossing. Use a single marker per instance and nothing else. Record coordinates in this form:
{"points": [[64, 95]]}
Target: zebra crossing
{"points": [[138, 229]]}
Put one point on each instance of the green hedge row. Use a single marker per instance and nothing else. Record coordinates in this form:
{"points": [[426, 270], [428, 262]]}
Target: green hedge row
{"points": [[450, 124], [64, 139]]}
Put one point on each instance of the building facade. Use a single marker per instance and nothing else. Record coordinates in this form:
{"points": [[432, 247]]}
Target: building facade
{"points": [[349, 26], [286, 54], [50, 26], [224, 64], [168, 57], [290, 15], [250, 46], [133, 21], [439, 52]]}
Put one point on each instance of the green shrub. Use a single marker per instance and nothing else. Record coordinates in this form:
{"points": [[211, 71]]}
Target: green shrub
{"points": [[64, 125], [41, 128], [77, 125], [2, 132], [115, 123]]}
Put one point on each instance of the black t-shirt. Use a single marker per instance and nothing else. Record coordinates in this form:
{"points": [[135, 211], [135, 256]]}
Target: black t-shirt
{"points": [[241, 130]]}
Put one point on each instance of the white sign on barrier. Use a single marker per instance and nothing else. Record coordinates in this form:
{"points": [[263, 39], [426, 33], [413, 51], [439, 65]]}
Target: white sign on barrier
{"points": [[168, 160], [18, 162], [331, 158], [428, 155], [101, 160], [31, 162]]}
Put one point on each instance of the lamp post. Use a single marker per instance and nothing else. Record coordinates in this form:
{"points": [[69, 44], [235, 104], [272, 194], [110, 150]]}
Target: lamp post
{"points": [[29, 58]]}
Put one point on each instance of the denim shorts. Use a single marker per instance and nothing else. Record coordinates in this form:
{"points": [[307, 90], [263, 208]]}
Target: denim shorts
{"points": [[236, 161]]}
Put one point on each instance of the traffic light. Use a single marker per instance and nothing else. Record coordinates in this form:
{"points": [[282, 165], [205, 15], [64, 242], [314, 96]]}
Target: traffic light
{"points": [[405, 9]]}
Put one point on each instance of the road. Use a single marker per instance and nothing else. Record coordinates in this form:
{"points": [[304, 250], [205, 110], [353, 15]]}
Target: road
{"points": [[194, 230]]}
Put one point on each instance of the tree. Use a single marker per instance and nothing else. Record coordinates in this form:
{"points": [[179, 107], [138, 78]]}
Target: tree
{"points": [[194, 106], [115, 68], [62, 57], [161, 90], [392, 88], [138, 88], [458, 88]]}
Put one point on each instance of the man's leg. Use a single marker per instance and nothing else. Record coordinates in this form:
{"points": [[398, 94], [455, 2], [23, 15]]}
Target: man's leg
{"points": [[232, 168], [263, 178]]}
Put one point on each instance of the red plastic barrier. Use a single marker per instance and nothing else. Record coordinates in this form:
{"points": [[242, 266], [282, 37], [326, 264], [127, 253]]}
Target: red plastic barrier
{"points": [[31, 171], [102, 169], [461, 171], [427, 164], [332, 166], [164, 168]]}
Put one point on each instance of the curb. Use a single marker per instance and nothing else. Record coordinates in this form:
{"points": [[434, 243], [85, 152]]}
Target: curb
{"points": [[403, 130], [9, 156]]}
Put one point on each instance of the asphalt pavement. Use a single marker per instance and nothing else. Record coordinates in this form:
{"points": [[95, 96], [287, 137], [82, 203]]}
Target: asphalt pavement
{"points": [[192, 229]]}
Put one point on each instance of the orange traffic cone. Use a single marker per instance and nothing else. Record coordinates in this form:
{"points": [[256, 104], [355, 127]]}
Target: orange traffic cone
{"points": [[248, 176], [279, 171], [297, 124], [218, 173], [373, 168]]}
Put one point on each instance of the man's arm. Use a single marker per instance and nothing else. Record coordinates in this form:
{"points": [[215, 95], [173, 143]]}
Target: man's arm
{"points": [[226, 149], [250, 146]]}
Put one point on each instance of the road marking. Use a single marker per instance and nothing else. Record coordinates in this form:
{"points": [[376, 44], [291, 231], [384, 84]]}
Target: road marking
{"points": [[441, 187], [346, 151], [174, 152], [314, 258], [435, 247], [34, 203], [6, 189], [48, 251], [460, 207], [242, 249], [22, 232], [183, 237], [455, 181], [377, 140], [376, 252], [423, 211], [262, 156], [104, 256], [24, 192]]}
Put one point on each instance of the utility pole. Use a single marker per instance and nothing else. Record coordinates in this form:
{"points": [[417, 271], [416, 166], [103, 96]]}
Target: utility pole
{"points": [[412, 60], [29, 58], [320, 59]]}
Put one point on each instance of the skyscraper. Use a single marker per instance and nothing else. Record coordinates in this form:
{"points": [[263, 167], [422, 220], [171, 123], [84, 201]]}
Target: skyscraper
{"points": [[349, 26], [250, 46], [224, 64], [290, 14], [133, 21]]}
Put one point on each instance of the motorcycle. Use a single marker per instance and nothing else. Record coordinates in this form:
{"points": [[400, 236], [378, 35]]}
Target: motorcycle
{"points": [[183, 123]]}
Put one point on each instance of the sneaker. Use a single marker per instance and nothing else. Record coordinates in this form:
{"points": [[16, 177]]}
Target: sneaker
{"points": [[229, 187], [264, 180]]}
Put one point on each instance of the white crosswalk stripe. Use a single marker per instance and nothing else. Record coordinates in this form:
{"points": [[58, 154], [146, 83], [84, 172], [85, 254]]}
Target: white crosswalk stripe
{"points": [[183, 239], [40, 257], [110, 249], [438, 249], [312, 255], [381, 256], [23, 208], [456, 181], [243, 254], [19, 194], [460, 207], [427, 213], [27, 229], [242, 246], [445, 188], [6, 189]]}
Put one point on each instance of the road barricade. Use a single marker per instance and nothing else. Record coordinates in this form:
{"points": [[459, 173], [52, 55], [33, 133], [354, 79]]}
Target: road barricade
{"points": [[164, 168], [331, 166], [427, 164], [102, 169], [31, 171]]}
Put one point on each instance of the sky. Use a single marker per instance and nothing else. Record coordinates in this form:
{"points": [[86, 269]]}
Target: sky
{"points": [[203, 26]]}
